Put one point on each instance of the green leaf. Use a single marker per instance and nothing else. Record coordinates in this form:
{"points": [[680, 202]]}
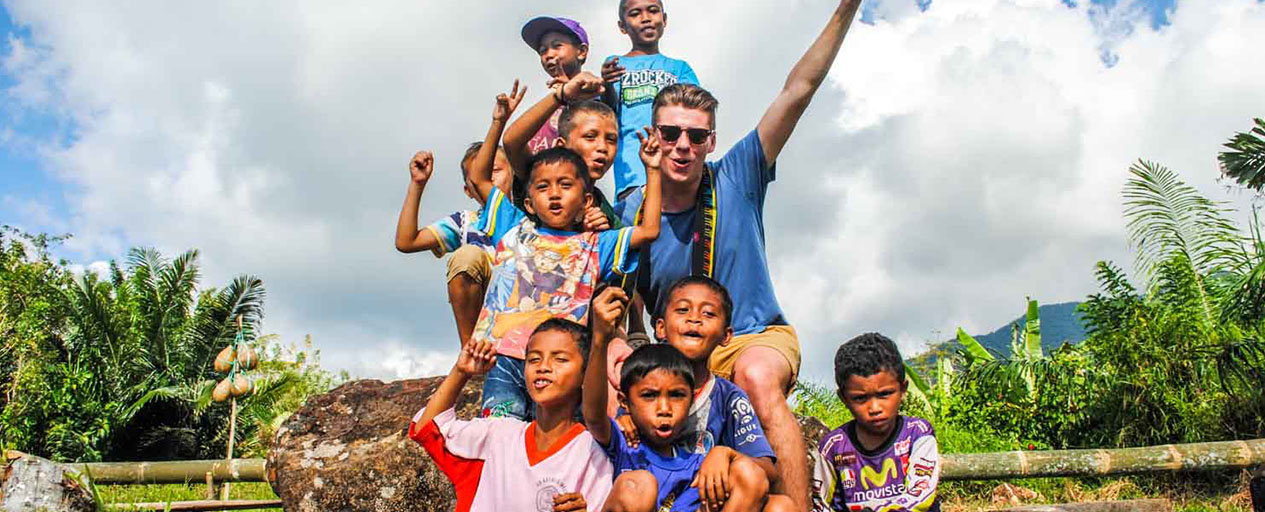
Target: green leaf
{"points": [[973, 350], [1244, 162], [1032, 331]]}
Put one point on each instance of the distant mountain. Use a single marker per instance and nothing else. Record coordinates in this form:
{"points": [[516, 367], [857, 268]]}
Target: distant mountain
{"points": [[1060, 323]]}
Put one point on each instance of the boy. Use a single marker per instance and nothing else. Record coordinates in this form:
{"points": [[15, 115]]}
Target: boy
{"points": [[561, 468], [695, 320], [563, 46], [469, 266], [543, 267], [634, 79], [880, 460], [657, 388]]}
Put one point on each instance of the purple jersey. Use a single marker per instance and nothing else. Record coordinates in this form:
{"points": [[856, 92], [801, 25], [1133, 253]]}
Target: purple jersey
{"points": [[901, 475]]}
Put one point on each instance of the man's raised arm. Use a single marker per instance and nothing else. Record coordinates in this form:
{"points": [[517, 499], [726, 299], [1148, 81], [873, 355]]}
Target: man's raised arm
{"points": [[779, 120]]}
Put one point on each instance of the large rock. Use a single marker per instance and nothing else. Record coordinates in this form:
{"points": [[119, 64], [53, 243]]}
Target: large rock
{"points": [[30, 483], [348, 450]]}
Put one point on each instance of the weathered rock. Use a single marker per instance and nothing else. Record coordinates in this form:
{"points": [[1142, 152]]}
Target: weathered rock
{"points": [[348, 450], [31, 483]]}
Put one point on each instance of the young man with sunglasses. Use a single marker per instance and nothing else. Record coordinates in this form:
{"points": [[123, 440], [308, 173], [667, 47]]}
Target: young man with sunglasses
{"points": [[713, 225]]}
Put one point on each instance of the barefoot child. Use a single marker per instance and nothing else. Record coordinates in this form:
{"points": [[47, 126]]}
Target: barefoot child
{"points": [[469, 267], [544, 267], [657, 389], [880, 460], [633, 80], [561, 469]]}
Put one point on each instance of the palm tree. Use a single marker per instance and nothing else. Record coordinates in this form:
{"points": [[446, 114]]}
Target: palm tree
{"points": [[1245, 161]]}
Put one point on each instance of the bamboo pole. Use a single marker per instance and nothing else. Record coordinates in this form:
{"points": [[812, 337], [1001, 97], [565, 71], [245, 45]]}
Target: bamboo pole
{"points": [[1153, 505], [201, 505], [1064, 463], [173, 472], [232, 415]]}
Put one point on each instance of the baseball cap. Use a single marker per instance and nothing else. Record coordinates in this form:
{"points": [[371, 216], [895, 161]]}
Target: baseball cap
{"points": [[537, 27]]}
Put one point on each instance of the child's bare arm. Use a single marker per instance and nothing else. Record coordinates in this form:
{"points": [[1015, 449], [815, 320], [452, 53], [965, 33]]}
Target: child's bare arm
{"points": [[407, 237], [481, 166], [476, 358], [608, 309], [779, 120], [651, 206], [579, 88]]}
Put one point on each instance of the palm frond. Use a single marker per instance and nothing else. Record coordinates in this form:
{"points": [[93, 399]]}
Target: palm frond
{"points": [[972, 350], [1244, 162]]}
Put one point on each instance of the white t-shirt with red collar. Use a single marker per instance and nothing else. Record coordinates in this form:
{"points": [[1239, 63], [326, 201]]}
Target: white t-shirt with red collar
{"points": [[494, 465]]}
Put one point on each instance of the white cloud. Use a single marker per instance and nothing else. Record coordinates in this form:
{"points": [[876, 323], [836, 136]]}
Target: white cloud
{"points": [[970, 154]]}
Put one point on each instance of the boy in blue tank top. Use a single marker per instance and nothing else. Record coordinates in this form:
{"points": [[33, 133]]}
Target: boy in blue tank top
{"points": [[634, 79]]}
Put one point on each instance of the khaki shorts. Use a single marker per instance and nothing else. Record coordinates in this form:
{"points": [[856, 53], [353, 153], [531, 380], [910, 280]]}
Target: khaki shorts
{"points": [[471, 261], [781, 338]]}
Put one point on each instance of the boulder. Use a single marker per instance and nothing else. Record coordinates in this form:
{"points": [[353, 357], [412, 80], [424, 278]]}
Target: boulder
{"points": [[30, 483], [348, 450]]}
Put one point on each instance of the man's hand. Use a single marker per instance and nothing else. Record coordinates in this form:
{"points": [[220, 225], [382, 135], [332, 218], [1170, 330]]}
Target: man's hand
{"points": [[583, 86], [421, 166], [712, 479], [569, 502], [612, 71], [476, 358], [595, 219], [506, 103], [608, 310], [629, 430], [651, 156]]}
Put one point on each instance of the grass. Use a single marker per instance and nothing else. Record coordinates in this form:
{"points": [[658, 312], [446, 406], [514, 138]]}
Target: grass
{"points": [[162, 493]]}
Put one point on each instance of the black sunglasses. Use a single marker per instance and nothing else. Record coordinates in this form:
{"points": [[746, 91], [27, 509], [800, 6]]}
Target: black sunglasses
{"points": [[670, 133]]}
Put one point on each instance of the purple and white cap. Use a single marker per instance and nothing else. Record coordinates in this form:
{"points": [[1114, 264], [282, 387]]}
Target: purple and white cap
{"points": [[537, 27]]}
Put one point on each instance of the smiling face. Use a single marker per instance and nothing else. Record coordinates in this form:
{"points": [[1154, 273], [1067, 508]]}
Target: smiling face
{"points": [[643, 21], [874, 402], [556, 195], [683, 160], [659, 404], [595, 137], [694, 322], [560, 54], [554, 369]]}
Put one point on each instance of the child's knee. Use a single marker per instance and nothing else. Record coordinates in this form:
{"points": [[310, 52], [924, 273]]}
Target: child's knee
{"points": [[779, 503], [633, 491], [748, 477]]}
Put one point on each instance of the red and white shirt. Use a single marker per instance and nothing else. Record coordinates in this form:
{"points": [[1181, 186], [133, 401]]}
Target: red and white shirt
{"points": [[494, 465]]}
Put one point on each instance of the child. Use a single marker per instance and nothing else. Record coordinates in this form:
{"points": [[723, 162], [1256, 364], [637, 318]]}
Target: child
{"points": [[543, 268], [469, 267], [657, 389], [563, 46], [561, 468], [635, 78], [880, 460]]}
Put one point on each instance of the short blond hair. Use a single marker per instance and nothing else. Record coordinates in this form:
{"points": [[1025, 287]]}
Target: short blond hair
{"points": [[689, 96]]}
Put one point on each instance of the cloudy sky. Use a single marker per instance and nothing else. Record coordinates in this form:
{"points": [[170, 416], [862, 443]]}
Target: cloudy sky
{"points": [[964, 153]]}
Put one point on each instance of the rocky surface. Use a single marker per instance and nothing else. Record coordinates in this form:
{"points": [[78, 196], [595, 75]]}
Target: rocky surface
{"points": [[348, 450], [30, 483]]}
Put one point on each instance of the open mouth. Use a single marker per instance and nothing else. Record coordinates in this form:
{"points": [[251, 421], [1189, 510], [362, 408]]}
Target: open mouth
{"points": [[663, 430], [692, 336], [555, 208], [539, 384]]}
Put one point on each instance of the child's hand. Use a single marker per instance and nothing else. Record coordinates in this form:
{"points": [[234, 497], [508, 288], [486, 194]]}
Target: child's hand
{"points": [[476, 357], [595, 220], [651, 156], [608, 309], [612, 71], [583, 86], [421, 167], [569, 502], [712, 479], [629, 430], [506, 103]]}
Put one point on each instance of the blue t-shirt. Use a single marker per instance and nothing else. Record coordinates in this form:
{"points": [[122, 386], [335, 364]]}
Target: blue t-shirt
{"points": [[644, 76], [740, 264], [674, 474], [729, 419]]}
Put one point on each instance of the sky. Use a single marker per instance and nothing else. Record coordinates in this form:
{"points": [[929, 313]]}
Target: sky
{"points": [[962, 155]]}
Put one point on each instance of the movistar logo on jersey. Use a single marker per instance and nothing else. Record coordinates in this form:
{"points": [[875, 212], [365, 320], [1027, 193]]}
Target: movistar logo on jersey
{"points": [[870, 479], [642, 85]]}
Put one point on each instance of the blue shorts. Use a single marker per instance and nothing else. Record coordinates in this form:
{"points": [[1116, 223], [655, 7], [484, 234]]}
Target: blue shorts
{"points": [[505, 390]]}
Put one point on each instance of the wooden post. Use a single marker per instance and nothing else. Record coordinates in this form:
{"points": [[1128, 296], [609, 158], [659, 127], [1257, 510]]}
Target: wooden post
{"points": [[232, 417], [210, 486]]}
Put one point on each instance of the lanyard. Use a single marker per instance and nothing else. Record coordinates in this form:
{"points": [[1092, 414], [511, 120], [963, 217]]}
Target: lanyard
{"points": [[703, 252]]}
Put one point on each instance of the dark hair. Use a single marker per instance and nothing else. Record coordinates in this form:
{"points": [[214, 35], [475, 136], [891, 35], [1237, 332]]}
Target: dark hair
{"points": [[623, 5], [471, 152], [559, 156], [866, 355], [578, 333], [688, 96], [655, 356], [566, 121], [726, 303]]}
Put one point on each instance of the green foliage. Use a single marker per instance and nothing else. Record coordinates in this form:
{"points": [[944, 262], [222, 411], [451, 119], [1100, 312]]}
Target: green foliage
{"points": [[1245, 160], [117, 367]]}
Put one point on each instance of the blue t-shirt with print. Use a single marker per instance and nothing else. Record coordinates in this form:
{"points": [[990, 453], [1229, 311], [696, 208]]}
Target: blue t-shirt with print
{"points": [[740, 264], [644, 76], [722, 415], [674, 474]]}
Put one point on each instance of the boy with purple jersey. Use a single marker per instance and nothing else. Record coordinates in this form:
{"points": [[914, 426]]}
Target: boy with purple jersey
{"points": [[880, 461]]}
